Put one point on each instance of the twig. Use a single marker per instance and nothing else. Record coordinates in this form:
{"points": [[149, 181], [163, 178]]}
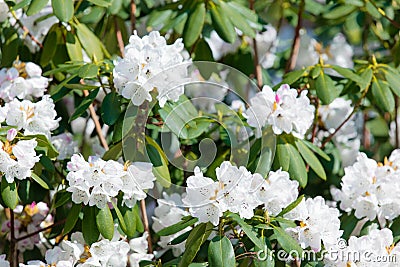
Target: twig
{"points": [[119, 37], [257, 66], [13, 259], [146, 224], [133, 15], [26, 30], [93, 114], [383, 13], [366, 139], [296, 42], [41, 230], [396, 117]]}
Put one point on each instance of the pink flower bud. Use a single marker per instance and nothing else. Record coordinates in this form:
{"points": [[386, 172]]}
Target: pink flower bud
{"points": [[11, 134]]}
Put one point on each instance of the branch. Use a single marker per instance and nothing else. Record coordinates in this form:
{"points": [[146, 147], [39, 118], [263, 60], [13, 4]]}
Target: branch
{"points": [[41, 230], [396, 117], [291, 63], [26, 30], [383, 13], [133, 15], [13, 258], [257, 66], [119, 37], [146, 224]]}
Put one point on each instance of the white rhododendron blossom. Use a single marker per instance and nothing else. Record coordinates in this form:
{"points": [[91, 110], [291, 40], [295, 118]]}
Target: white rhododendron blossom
{"points": [[166, 214], [33, 118], [266, 46], [3, 11], [318, 223], [3, 261], [22, 81], [238, 191], [285, 110], [95, 182], [346, 139], [145, 58], [65, 145], [139, 250], [376, 249], [17, 158], [371, 189], [108, 253]]}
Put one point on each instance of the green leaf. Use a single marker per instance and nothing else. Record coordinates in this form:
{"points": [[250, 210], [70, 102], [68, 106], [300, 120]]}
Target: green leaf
{"points": [[175, 228], [84, 105], [291, 77], [79, 86], [63, 9], [39, 181], [238, 20], [383, 95], [222, 24], [349, 74], [196, 238], [88, 71], [103, 3], [251, 234], [287, 242], [89, 226], [90, 42], [378, 127], [202, 51], [372, 10], [267, 152], [325, 88], [130, 220], [74, 47], [105, 222], [316, 149], [120, 217], [393, 78], [111, 108], [49, 47], [9, 193], [339, 12], [220, 252], [366, 77], [291, 161], [160, 162], [35, 6], [194, 24], [114, 153], [291, 206], [311, 159], [72, 218]]}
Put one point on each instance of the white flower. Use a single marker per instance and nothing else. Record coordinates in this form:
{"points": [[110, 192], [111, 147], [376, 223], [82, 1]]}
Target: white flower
{"points": [[219, 47], [3, 261], [144, 59], [166, 214], [318, 223], [266, 46], [65, 145], [284, 110], [33, 118], [3, 11], [110, 253], [139, 247]]}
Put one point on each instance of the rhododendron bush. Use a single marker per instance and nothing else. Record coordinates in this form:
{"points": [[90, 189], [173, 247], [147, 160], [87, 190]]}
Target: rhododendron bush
{"points": [[199, 133]]}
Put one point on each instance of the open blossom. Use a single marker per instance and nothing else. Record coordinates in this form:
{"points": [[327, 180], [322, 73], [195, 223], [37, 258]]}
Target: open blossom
{"points": [[266, 46], [3, 11], [376, 249], [284, 109], [144, 59], [95, 181], [65, 145], [139, 250], [3, 261], [371, 189], [17, 159], [166, 214], [108, 253], [318, 223], [23, 81], [238, 191], [33, 118]]}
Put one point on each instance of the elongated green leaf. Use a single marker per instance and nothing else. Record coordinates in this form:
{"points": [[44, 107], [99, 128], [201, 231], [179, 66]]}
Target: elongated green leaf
{"points": [[267, 152], [130, 220], [220, 252], [393, 78], [103, 3], [79, 86], [114, 153], [105, 223], [311, 159], [63, 9], [291, 161], [74, 47], [111, 108], [251, 234], [326, 89], [84, 105], [194, 24], [366, 77], [173, 229], [39, 180], [372, 10], [316, 149], [180, 238], [383, 95], [88, 71], [49, 47], [287, 242], [291, 77], [90, 42], [89, 227], [222, 24], [238, 20], [196, 238], [291, 206], [35, 6], [9, 193], [348, 73], [339, 12], [72, 218]]}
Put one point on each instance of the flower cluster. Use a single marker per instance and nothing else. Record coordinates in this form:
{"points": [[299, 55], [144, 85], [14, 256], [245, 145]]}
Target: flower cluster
{"points": [[284, 110], [17, 158], [33, 118], [144, 59], [238, 191], [23, 81], [166, 214], [318, 223], [371, 189], [377, 248], [95, 181], [65, 145]]}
